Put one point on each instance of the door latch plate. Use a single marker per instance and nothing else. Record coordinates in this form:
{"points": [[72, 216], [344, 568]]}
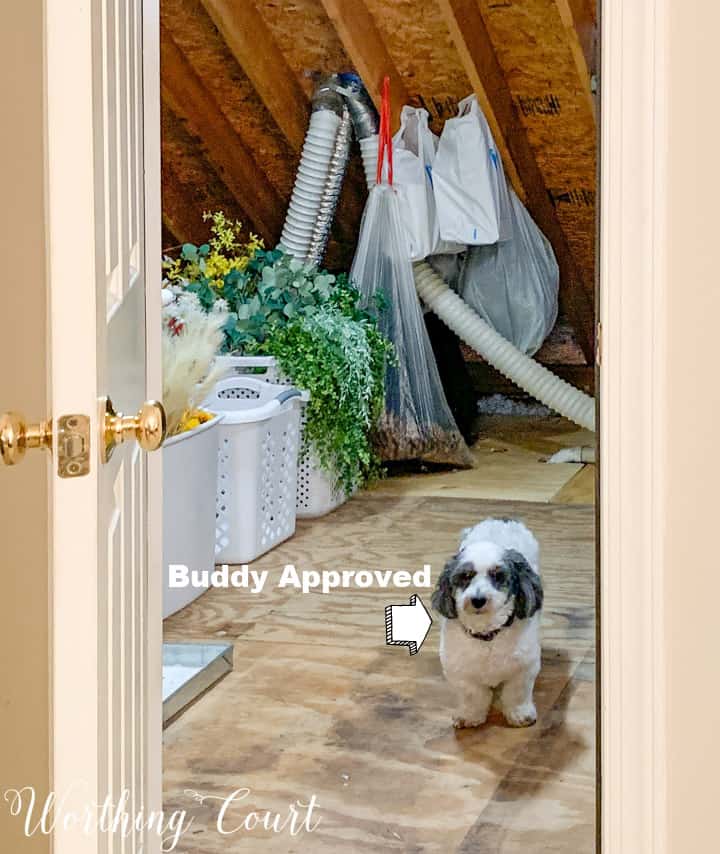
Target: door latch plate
{"points": [[73, 446]]}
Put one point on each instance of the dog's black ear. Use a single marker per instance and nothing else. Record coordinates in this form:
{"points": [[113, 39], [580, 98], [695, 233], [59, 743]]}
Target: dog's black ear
{"points": [[527, 585], [443, 598]]}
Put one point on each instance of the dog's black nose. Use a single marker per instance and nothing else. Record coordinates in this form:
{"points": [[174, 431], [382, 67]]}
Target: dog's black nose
{"points": [[478, 602]]}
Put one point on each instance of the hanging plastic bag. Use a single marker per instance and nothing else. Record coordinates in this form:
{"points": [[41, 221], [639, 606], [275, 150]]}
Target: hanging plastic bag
{"points": [[414, 147], [514, 285], [471, 194], [449, 267], [417, 423]]}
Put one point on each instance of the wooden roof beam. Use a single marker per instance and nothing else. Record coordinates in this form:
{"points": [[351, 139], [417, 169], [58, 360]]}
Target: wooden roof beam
{"points": [[187, 96], [252, 44], [478, 57], [364, 45], [581, 32], [182, 213], [178, 209], [274, 80]]}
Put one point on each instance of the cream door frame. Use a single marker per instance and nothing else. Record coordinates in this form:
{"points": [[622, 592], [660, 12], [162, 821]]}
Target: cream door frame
{"points": [[153, 273], [633, 440], [633, 286]]}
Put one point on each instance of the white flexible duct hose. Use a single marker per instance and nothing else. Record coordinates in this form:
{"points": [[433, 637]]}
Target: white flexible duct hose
{"points": [[525, 372], [324, 160], [307, 198], [297, 237], [369, 154]]}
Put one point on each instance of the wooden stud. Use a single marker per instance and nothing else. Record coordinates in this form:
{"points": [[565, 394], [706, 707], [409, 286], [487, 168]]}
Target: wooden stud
{"points": [[365, 47], [182, 212], [243, 29], [179, 213], [187, 96], [191, 186], [205, 48], [580, 29], [477, 53], [253, 46], [486, 380]]}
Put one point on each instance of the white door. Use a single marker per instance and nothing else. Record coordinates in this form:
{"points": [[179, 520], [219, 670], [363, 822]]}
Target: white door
{"points": [[104, 252]]}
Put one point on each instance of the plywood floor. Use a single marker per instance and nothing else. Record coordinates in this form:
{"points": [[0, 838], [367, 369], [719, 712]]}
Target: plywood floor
{"points": [[511, 465], [319, 705]]}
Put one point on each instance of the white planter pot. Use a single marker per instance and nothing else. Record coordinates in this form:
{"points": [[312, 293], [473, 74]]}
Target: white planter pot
{"points": [[189, 486]]}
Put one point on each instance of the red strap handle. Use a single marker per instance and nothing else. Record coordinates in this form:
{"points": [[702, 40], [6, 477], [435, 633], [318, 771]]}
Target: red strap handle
{"points": [[385, 140]]}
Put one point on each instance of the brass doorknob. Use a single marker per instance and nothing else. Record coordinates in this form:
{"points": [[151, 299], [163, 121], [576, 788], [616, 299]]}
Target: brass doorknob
{"points": [[148, 427], [17, 437]]}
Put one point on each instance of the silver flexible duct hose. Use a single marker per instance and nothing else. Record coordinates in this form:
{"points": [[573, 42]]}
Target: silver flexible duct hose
{"points": [[340, 103], [360, 114], [362, 110], [331, 191], [320, 175]]}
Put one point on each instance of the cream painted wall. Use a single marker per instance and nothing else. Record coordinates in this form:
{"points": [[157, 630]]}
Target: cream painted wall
{"points": [[24, 695], [693, 428]]}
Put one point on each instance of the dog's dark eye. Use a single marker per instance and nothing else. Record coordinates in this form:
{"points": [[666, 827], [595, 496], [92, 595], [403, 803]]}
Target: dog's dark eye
{"points": [[498, 576], [465, 578]]}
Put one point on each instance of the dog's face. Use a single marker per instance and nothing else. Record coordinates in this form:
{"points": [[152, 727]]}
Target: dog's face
{"points": [[485, 585]]}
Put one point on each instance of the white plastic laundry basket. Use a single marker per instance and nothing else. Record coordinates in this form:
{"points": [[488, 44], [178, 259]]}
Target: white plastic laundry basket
{"points": [[316, 492], [259, 443]]}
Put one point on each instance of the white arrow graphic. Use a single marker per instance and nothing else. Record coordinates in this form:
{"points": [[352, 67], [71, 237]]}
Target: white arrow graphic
{"points": [[407, 625]]}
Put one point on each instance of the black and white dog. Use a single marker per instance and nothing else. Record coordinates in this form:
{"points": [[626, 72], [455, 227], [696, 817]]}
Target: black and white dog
{"points": [[490, 596]]}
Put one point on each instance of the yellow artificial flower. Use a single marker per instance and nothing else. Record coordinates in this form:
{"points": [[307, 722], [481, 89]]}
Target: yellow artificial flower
{"points": [[194, 418], [227, 252]]}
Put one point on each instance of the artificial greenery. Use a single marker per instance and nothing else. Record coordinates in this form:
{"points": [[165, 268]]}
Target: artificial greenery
{"points": [[312, 323], [273, 290], [260, 287], [338, 354]]}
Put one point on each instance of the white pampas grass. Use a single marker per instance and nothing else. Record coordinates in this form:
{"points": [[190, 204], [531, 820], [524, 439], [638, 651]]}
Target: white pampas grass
{"points": [[191, 340]]}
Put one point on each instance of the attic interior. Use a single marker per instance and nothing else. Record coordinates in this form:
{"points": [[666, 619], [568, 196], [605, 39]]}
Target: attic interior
{"points": [[238, 78]]}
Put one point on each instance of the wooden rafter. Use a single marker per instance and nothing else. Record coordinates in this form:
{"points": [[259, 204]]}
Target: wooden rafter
{"points": [[187, 96], [243, 29], [365, 47], [477, 53], [185, 203], [489, 381], [253, 46], [240, 103], [191, 186], [584, 16], [580, 29], [178, 207]]}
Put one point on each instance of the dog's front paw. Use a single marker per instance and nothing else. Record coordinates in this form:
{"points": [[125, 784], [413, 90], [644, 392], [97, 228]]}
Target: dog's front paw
{"points": [[521, 716], [466, 723]]}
